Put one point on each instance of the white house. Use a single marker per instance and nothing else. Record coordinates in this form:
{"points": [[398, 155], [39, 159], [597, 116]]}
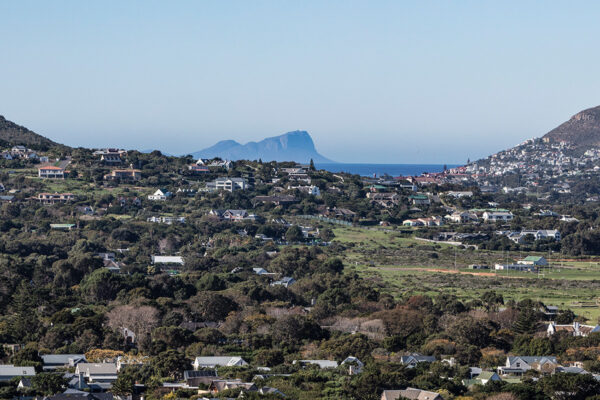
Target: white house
{"points": [[212, 362], [160, 194], [493, 216], [320, 363], [167, 260], [518, 365], [575, 329], [229, 184]]}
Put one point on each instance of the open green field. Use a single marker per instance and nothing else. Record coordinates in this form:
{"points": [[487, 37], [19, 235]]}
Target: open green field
{"points": [[404, 266]]}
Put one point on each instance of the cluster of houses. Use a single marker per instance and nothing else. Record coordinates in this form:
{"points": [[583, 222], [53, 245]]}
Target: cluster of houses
{"points": [[523, 236], [21, 153]]}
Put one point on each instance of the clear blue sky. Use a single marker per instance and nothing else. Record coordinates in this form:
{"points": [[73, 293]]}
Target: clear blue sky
{"points": [[372, 81]]}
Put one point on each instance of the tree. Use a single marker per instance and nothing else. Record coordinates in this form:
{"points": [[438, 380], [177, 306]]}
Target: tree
{"points": [[326, 235], [210, 306], [48, 383], [312, 165], [123, 386], [27, 357], [294, 234], [170, 364], [140, 320]]}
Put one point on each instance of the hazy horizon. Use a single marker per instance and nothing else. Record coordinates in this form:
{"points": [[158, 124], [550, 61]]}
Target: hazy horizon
{"points": [[384, 82]]}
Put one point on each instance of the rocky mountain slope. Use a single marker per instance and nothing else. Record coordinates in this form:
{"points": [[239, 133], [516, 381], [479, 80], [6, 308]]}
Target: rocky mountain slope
{"points": [[292, 146], [582, 130]]}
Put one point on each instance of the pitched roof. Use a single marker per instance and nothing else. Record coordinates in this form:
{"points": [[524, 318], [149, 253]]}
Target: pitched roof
{"points": [[11, 370], [220, 361]]}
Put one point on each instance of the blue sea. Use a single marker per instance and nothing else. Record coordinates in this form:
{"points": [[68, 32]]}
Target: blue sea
{"points": [[382, 169]]}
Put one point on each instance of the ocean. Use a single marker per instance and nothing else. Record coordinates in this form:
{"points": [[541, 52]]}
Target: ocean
{"points": [[382, 169]]}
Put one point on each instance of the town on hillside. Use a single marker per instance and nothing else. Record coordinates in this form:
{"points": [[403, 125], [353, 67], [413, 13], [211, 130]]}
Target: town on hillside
{"points": [[129, 275]]}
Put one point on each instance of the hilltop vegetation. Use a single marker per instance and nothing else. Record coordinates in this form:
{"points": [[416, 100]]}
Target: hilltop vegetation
{"points": [[12, 134]]}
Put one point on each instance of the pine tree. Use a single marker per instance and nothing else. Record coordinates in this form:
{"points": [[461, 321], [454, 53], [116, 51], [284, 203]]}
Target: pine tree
{"points": [[312, 165]]}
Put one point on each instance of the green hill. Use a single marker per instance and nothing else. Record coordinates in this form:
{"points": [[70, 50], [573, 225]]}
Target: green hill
{"points": [[12, 134]]}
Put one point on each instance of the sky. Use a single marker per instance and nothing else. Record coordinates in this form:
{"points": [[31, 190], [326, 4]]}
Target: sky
{"points": [[371, 81]]}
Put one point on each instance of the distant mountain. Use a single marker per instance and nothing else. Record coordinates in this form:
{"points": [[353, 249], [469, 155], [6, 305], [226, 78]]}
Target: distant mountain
{"points": [[582, 130], [12, 134], [292, 146]]}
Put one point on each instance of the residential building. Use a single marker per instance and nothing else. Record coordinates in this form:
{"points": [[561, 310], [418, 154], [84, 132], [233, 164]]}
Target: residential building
{"points": [[218, 361], [111, 156], [518, 365], [124, 175], [534, 260], [198, 169], [51, 172], [53, 198], [55, 361], [575, 329], [494, 216], [285, 282], [218, 385], [167, 220], [482, 378], [459, 195], [463, 217], [228, 184], [97, 372], [419, 199], [168, 260], [160, 195], [320, 363], [413, 359], [411, 394], [276, 199], [8, 372]]}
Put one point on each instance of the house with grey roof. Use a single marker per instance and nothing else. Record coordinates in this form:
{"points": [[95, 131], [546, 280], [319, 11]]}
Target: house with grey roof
{"points": [[9, 371], [55, 361], [98, 372], [319, 363], [518, 365], [413, 359]]}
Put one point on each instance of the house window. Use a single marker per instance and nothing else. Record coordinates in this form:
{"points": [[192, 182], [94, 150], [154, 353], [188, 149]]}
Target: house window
{"points": [[518, 365]]}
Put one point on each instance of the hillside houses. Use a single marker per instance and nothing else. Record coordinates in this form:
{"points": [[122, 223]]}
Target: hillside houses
{"points": [[522, 236]]}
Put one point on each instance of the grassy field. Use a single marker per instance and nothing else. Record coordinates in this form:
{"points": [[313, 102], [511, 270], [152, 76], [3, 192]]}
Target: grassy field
{"points": [[404, 266]]}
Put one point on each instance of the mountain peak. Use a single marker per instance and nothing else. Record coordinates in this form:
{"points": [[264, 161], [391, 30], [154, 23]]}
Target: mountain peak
{"points": [[583, 129], [291, 146]]}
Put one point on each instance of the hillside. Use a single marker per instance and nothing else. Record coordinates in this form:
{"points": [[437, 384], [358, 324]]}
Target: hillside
{"points": [[582, 130], [12, 134], [292, 146]]}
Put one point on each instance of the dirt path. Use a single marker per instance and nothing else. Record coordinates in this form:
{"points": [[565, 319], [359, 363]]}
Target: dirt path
{"points": [[448, 271]]}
